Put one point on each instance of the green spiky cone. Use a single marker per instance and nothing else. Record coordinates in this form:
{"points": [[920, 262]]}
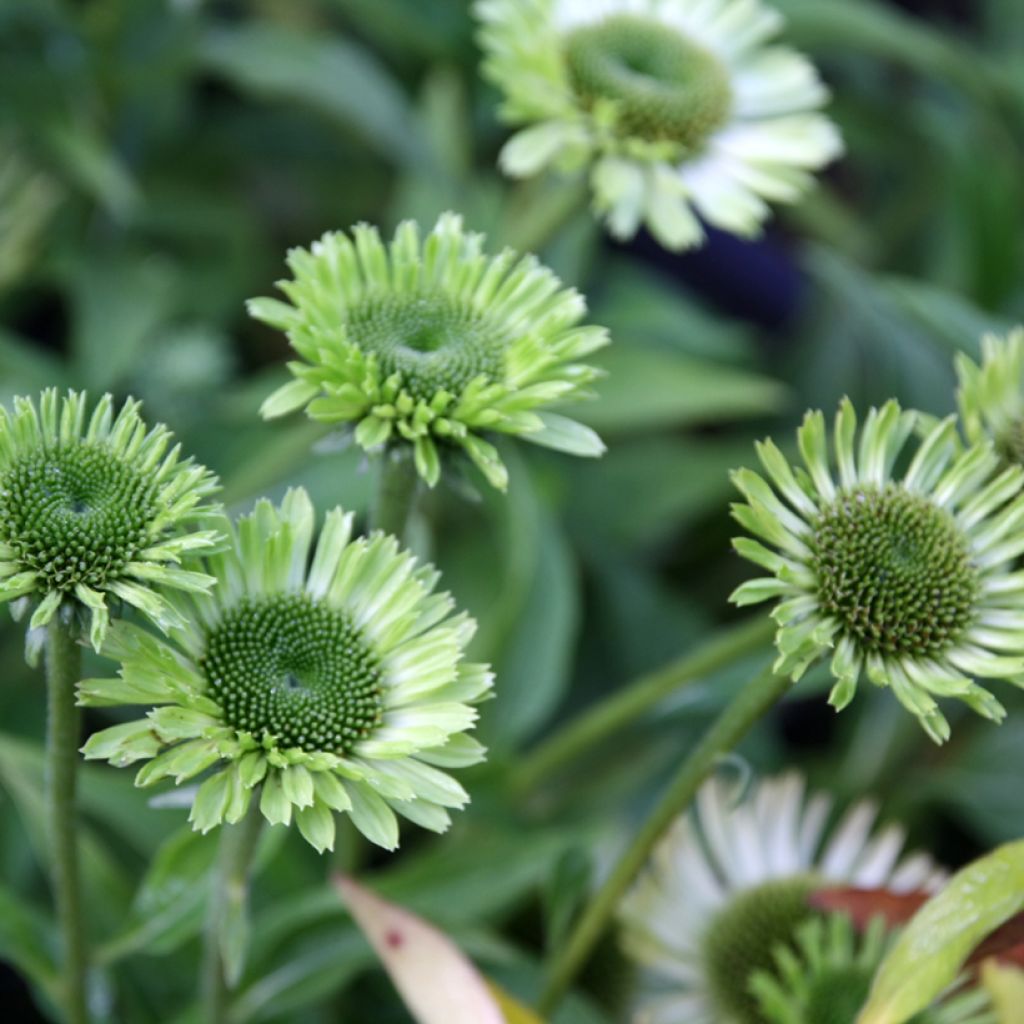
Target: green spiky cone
{"points": [[335, 684], [95, 508], [433, 344], [824, 978], [907, 578]]}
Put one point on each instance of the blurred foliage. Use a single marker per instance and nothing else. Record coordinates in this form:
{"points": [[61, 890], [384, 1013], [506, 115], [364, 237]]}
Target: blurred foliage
{"points": [[157, 158]]}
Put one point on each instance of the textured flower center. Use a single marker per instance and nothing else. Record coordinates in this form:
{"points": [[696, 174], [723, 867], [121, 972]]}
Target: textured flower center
{"points": [[663, 87], [296, 671], [742, 937], [75, 514], [895, 571], [434, 343]]}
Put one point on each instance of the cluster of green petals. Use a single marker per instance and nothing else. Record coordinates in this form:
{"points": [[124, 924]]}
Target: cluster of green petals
{"points": [[824, 977], [991, 394], [908, 577], [317, 677], [433, 344], [97, 507]]}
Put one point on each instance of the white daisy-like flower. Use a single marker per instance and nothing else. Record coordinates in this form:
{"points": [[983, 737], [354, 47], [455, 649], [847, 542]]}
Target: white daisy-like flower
{"points": [[678, 108], [727, 885]]}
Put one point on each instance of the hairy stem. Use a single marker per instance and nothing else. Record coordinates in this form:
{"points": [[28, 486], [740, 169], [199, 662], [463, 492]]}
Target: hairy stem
{"points": [[728, 729], [63, 724], [395, 498], [632, 701], [226, 935]]}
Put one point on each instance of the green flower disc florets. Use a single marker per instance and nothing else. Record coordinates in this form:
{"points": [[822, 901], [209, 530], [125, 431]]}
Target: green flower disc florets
{"points": [[893, 568], [432, 342], [664, 88], [426, 344], [77, 514], [297, 671], [742, 939]]}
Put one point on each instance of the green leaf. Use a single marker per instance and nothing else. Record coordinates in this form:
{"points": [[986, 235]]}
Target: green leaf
{"points": [[932, 950], [338, 78], [170, 903], [27, 940], [650, 388]]}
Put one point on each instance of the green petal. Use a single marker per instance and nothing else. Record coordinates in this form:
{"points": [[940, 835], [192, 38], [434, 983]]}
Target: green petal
{"points": [[316, 823]]}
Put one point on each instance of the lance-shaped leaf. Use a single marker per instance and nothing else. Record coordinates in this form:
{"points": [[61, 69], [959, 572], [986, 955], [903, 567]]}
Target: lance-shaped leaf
{"points": [[436, 980], [929, 955]]}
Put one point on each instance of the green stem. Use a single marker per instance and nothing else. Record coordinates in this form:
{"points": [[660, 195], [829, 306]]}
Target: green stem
{"points": [[63, 726], [635, 699], [226, 935], [397, 487], [728, 729]]}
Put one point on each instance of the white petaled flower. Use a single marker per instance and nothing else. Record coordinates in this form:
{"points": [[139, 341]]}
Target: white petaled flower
{"points": [[730, 883], [679, 108], [905, 576], [991, 395], [315, 678]]}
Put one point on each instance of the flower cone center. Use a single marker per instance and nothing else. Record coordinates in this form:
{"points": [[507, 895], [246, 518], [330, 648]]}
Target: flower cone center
{"points": [[895, 570], [434, 344], [741, 939], [75, 514], [294, 670], [663, 88]]}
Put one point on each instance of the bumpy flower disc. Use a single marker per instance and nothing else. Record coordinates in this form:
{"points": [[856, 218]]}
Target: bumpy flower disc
{"points": [[96, 507], [825, 975], [433, 345], [336, 684], [992, 394], [906, 578], [728, 887], [678, 107]]}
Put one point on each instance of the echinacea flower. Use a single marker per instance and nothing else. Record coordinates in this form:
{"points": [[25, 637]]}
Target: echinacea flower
{"points": [[905, 577], [731, 882], [336, 684], [678, 107], [95, 508], [432, 345], [826, 973], [991, 395]]}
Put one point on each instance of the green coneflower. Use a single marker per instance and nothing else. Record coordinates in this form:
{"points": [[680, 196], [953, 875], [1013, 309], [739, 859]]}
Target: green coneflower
{"points": [[732, 881], [336, 684], [433, 344], [906, 578], [824, 978], [94, 508], [991, 396], [678, 107]]}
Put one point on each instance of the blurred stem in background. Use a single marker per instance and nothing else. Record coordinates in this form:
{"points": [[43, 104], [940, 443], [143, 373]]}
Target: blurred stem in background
{"points": [[63, 670], [227, 928], [630, 702], [746, 708], [395, 498]]}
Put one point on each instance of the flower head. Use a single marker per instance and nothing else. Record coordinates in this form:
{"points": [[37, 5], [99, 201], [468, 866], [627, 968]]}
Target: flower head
{"points": [[336, 684], [825, 975], [991, 395], [726, 886], [433, 344], [678, 106], [94, 507], [904, 577]]}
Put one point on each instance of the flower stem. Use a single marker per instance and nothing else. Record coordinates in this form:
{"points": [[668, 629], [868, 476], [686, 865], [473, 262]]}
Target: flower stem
{"points": [[395, 498], [633, 700], [226, 935], [63, 723], [728, 729]]}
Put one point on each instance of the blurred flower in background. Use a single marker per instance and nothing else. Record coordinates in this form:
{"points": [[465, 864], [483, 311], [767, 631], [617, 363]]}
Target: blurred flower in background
{"points": [[679, 108]]}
